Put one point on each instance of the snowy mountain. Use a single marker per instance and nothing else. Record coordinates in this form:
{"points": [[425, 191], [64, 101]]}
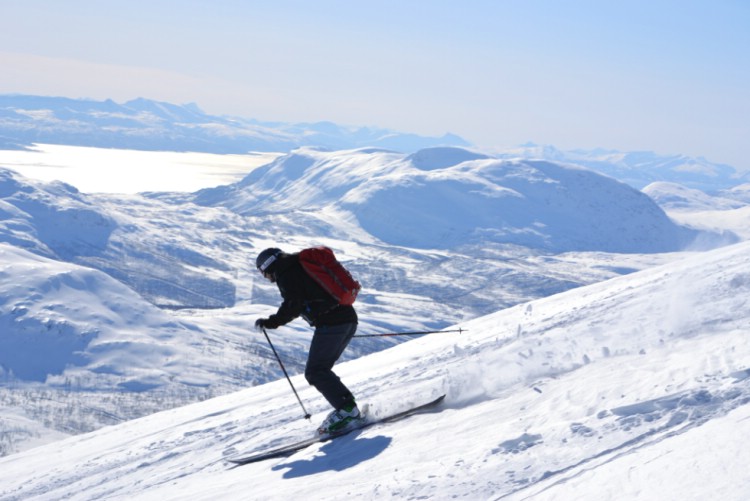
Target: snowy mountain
{"points": [[85, 273], [55, 220], [726, 211], [740, 192], [676, 197], [633, 388], [143, 124], [85, 321], [448, 198], [641, 168]]}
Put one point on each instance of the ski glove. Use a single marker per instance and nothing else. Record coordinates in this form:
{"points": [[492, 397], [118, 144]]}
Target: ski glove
{"points": [[260, 324]]}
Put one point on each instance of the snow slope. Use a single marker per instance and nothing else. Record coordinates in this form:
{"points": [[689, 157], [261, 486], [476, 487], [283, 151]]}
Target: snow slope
{"points": [[676, 197], [633, 388], [726, 211], [736, 221], [90, 332], [117, 357], [640, 168], [445, 198]]}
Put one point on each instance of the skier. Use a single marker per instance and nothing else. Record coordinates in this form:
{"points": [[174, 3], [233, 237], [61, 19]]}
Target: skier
{"points": [[334, 325]]}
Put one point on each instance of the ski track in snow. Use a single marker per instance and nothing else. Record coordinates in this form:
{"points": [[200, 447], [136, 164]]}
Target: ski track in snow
{"points": [[651, 422]]}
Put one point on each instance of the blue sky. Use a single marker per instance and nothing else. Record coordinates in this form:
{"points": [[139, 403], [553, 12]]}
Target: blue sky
{"points": [[667, 76]]}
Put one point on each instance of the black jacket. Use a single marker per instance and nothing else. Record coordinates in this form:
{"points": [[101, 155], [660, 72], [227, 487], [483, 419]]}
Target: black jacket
{"points": [[304, 297]]}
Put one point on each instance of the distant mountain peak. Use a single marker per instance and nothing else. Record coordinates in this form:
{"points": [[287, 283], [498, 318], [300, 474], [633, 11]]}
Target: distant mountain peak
{"points": [[145, 124], [639, 168]]}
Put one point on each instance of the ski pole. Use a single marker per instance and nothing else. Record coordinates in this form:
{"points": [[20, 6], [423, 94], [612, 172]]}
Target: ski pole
{"points": [[307, 415], [413, 333]]}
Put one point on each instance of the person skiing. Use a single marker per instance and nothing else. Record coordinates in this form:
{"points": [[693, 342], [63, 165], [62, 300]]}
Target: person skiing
{"points": [[334, 324]]}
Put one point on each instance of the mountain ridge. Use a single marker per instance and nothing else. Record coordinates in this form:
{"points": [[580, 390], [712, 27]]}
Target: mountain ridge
{"points": [[159, 126], [641, 168], [465, 198]]}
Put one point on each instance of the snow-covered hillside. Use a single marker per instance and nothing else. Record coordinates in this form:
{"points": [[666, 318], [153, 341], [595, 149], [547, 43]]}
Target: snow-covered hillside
{"points": [[739, 192], [676, 197], [156, 255], [84, 272], [726, 211], [633, 388], [448, 198], [641, 168]]}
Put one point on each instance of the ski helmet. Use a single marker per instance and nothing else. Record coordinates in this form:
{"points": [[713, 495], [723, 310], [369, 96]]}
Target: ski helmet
{"points": [[266, 258]]}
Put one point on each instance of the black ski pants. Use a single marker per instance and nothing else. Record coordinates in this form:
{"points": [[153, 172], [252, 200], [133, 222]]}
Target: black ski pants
{"points": [[327, 345]]}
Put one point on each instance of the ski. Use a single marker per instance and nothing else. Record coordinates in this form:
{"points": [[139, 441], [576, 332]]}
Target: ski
{"points": [[290, 449]]}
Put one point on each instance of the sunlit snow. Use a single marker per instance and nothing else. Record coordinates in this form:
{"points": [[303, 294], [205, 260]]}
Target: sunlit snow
{"points": [[635, 388], [582, 374]]}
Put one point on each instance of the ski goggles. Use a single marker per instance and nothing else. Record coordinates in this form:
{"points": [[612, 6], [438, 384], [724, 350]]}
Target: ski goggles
{"points": [[268, 262]]}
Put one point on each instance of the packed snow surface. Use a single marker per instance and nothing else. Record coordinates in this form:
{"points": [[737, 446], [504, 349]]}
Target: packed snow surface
{"points": [[633, 388]]}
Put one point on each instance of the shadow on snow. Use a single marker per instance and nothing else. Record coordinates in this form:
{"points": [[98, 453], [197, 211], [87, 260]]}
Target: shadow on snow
{"points": [[338, 455]]}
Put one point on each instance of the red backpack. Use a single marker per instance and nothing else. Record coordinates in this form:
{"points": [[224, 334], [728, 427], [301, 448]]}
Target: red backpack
{"points": [[323, 267]]}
